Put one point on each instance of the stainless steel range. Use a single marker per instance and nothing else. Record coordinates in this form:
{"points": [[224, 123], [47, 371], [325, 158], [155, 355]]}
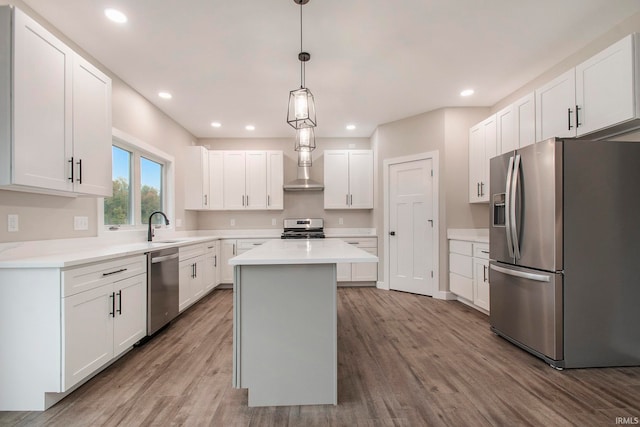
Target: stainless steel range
{"points": [[303, 228]]}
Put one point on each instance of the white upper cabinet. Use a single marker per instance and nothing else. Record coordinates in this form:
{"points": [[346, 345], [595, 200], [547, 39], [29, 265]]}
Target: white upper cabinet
{"points": [[197, 195], [599, 97], [216, 177], [555, 107], [606, 92], [275, 180], [525, 115], [256, 180], [483, 141], [348, 179], [56, 134], [507, 136], [516, 125], [234, 179], [91, 129]]}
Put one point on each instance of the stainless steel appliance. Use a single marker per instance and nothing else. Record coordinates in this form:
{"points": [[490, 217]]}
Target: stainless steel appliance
{"points": [[565, 250], [303, 228], [162, 288]]}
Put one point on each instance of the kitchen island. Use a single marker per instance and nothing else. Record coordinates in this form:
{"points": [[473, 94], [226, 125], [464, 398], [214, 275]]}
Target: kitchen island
{"points": [[285, 320]]}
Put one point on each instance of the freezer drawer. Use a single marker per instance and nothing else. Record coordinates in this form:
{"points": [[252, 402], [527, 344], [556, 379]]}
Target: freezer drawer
{"points": [[526, 308]]}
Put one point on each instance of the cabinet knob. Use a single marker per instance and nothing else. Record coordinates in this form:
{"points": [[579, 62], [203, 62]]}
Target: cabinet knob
{"points": [[392, 233]]}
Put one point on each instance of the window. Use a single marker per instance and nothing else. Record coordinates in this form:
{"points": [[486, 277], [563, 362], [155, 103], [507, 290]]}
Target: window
{"points": [[142, 183], [151, 190], [118, 208]]}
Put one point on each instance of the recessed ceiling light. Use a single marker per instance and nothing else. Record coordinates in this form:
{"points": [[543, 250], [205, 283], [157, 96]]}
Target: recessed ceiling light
{"points": [[165, 95], [216, 124], [351, 127], [116, 16], [250, 127], [466, 92]]}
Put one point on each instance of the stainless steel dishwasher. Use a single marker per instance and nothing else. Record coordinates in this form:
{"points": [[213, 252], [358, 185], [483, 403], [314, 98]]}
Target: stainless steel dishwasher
{"points": [[162, 288]]}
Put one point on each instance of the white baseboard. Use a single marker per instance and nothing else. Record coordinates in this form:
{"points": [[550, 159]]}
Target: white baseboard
{"points": [[445, 295], [382, 285]]}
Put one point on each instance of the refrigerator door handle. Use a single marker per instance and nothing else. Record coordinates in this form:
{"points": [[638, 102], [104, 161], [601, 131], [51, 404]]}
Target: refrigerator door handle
{"points": [[507, 204], [522, 274], [512, 208]]}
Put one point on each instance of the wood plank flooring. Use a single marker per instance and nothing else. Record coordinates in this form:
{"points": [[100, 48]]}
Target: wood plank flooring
{"points": [[404, 360]]}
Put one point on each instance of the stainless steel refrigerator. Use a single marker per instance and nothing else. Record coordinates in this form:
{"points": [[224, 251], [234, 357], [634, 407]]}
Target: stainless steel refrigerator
{"points": [[565, 251]]}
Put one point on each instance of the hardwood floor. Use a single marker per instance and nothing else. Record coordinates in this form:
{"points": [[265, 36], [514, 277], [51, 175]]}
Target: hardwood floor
{"points": [[404, 360]]}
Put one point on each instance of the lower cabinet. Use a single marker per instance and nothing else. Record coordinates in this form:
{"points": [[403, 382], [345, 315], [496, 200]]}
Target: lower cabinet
{"points": [[468, 272], [101, 324], [106, 319], [211, 270], [230, 248], [360, 272], [191, 274]]}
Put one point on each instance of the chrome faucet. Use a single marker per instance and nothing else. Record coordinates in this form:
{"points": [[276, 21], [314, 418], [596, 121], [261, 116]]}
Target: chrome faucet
{"points": [[150, 233]]}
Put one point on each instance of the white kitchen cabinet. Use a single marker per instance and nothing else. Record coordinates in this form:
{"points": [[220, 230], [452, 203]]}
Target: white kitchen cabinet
{"points": [[191, 275], [275, 180], [216, 179], [516, 125], [104, 314], [555, 107], [197, 181], [469, 272], [211, 269], [227, 251], [55, 113], [234, 180], [244, 180], [599, 93], [482, 147], [359, 272], [91, 129], [230, 248], [256, 180], [348, 179]]}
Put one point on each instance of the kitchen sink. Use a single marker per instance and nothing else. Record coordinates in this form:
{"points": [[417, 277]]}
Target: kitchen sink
{"points": [[168, 241]]}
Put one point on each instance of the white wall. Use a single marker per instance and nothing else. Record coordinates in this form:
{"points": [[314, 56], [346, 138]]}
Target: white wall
{"points": [[51, 217], [297, 204]]}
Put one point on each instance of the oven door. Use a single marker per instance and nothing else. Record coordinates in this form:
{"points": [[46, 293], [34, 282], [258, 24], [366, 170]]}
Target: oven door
{"points": [[526, 308]]}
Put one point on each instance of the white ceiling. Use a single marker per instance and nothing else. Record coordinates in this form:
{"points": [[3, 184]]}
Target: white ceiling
{"points": [[373, 61]]}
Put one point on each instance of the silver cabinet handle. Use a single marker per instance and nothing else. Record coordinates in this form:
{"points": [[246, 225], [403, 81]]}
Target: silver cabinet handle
{"points": [[484, 273], [113, 272], [569, 119], [72, 168], [215, 260], [351, 200], [243, 200], [247, 200], [79, 163], [522, 274], [268, 200], [205, 200]]}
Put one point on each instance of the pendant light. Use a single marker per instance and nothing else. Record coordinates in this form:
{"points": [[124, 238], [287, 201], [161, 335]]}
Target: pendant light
{"points": [[305, 139], [304, 158], [301, 113]]}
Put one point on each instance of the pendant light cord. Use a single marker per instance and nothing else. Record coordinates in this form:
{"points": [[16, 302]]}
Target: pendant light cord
{"points": [[302, 69]]}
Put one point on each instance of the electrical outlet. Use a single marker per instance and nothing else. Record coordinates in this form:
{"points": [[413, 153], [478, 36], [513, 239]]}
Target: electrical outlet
{"points": [[12, 223], [233, 222], [352, 145], [80, 223], [340, 221], [273, 221]]}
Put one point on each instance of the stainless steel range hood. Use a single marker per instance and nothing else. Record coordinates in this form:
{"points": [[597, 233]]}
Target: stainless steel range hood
{"points": [[303, 182]]}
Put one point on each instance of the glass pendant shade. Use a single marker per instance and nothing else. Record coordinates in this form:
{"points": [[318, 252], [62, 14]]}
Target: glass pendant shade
{"points": [[305, 139], [304, 158], [302, 110]]}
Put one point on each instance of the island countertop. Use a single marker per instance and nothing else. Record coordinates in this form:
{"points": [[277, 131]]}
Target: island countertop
{"points": [[303, 251]]}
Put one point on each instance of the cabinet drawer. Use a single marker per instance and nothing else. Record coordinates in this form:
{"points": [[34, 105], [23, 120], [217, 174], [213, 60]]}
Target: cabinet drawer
{"points": [[462, 286], [481, 250], [92, 276], [460, 247], [192, 251], [462, 265]]}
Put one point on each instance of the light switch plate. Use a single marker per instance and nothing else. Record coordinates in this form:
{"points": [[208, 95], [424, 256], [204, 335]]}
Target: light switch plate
{"points": [[340, 221], [12, 223], [233, 222], [80, 223], [273, 221]]}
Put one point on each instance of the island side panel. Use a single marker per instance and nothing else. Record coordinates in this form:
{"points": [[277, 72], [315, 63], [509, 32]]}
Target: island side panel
{"points": [[287, 334]]}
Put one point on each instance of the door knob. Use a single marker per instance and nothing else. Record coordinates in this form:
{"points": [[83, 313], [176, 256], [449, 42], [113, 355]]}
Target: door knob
{"points": [[392, 233]]}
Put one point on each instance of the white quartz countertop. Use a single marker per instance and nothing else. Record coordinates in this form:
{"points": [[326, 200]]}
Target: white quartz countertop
{"points": [[313, 251], [480, 235]]}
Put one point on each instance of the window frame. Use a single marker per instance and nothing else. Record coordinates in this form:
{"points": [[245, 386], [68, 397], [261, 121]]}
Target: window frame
{"points": [[138, 149]]}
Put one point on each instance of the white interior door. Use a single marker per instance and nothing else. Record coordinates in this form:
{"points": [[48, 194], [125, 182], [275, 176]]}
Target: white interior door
{"points": [[411, 227]]}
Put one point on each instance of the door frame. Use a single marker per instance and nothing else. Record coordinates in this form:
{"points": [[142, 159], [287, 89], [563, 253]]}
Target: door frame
{"points": [[387, 163]]}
